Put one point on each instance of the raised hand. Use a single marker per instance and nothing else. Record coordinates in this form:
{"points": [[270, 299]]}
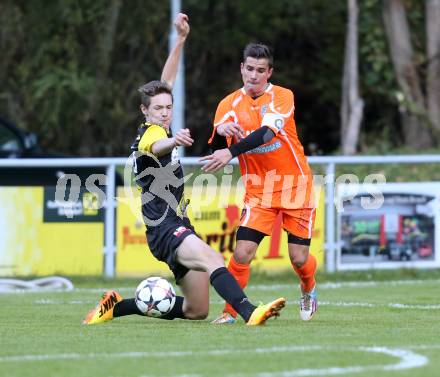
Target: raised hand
{"points": [[183, 138], [217, 160], [181, 24]]}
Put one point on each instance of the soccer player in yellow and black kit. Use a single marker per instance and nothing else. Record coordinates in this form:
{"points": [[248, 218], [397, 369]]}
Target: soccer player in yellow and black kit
{"points": [[170, 235]]}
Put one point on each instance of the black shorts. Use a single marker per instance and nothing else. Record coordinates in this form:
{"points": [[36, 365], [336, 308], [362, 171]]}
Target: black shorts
{"points": [[164, 239]]}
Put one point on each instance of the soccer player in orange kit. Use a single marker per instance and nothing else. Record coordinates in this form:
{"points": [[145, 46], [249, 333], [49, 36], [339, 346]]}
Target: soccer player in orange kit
{"points": [[258, 124]]}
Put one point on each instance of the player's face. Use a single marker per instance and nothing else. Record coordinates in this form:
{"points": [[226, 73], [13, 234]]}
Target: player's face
{"points": [[160, 110], [255, 74]]}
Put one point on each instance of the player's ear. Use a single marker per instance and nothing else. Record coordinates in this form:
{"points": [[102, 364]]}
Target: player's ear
{"points": [[143, 109], [270, 72]]}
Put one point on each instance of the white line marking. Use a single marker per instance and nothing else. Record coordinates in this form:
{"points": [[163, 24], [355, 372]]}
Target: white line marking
{"points": [[414, 362], [75, 356], [321, 303], [406, 359], [407, 306], [342, 285], [370, 305], [262, 287]]}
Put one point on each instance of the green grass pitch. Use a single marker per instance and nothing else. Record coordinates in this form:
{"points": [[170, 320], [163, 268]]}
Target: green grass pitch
{"points": [[369, 327]]}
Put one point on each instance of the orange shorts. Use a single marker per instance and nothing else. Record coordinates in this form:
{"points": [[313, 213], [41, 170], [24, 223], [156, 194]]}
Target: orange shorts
{"points": [[298, 222], [296, 204]]}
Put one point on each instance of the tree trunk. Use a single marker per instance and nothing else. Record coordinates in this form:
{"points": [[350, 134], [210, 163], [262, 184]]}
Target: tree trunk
{"points": [[412, 103], [352, 105], [433, 69]]}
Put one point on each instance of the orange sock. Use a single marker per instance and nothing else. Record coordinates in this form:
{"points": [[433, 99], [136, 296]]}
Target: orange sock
{"points": [[306, 273], [241, 273]]}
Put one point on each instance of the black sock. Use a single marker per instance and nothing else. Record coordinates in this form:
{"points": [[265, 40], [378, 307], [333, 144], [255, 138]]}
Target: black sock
{"points": [[227, 287], [176, 311], [126, 307]]}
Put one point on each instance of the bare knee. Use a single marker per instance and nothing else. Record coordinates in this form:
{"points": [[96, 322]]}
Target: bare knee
{"points": [[245, 251], [195, 313], [195, 290], [217, 258], [213, 261], [298, 254]]}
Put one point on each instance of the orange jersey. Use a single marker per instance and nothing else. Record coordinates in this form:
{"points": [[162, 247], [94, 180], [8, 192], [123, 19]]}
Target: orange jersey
{"points": [[282, 157]]}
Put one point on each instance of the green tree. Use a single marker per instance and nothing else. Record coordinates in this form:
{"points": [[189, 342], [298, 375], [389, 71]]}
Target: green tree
{"points": [[70, 69]]}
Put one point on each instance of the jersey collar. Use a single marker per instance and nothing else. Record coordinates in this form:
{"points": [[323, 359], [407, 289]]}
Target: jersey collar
{"points": [[146, 124], [267, 90]]}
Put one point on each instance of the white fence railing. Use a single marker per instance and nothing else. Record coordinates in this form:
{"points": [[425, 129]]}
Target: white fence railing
{"points": [[329, 162]]}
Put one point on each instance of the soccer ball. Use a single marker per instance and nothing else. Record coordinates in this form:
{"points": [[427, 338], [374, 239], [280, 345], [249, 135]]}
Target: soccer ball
{"points": [[155, 297]]}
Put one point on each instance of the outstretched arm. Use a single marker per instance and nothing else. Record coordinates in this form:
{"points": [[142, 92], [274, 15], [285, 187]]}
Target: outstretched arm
{"points": [[164, 146], [169, 71], [221, 157]]}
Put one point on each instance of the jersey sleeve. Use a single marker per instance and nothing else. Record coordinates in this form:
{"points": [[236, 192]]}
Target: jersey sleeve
{"points": [[279, 110], [151, 135], [223, 114]]}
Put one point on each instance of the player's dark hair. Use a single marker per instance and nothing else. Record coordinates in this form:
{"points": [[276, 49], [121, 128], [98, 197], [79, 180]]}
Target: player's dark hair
{"points": [[153, 88], [258, 51]]}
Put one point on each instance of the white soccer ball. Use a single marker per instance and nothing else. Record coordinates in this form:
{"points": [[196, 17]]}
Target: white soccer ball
{"points": [[155, 297]]}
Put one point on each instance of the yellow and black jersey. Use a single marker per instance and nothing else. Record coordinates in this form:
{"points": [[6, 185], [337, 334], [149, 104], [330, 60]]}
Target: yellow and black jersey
{"points": [[160, 178]]}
